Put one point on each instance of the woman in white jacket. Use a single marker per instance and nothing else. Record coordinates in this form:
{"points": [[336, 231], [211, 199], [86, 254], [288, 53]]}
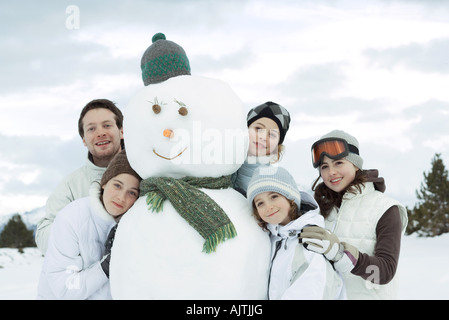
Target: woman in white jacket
{"points": [[76, 265], [284, 211]]}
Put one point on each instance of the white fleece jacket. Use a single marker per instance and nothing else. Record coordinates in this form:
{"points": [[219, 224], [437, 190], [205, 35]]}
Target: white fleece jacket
{"points": [[297, 273], [71, 268]]}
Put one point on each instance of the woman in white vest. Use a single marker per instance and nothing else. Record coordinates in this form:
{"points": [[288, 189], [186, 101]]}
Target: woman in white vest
{"points": [[364, 227]]}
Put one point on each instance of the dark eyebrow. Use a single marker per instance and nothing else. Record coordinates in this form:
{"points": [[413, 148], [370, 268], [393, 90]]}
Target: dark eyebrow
{"points": [[117, 180], [331, 160], [260, 124], [102, 122]]}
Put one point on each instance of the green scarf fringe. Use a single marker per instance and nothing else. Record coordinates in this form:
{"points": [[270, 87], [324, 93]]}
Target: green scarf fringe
{"points": [[196, 207], [155, 201], [225, 232]]}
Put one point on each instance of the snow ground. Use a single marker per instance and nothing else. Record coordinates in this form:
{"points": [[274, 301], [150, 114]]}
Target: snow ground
{"points": [[19, 273], [423, 270]]}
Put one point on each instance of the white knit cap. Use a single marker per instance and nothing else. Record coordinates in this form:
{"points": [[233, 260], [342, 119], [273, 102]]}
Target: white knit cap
{"points": [[273, 179]]}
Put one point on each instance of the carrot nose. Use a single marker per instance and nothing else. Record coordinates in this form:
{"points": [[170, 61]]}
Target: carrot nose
{"points": [[168, 133]]}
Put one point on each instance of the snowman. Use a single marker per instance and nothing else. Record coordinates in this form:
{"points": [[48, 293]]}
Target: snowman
{"points": [[190, 235]]}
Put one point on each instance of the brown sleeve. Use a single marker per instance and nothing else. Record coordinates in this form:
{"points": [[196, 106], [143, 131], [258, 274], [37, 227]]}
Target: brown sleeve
{"points": [[380, 268]]}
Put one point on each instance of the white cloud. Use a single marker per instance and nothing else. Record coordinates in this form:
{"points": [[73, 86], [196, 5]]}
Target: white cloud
{"points": [[20, 203], [401, 87], [371, 68], [54, 110], [125, 43], [440, 143]]}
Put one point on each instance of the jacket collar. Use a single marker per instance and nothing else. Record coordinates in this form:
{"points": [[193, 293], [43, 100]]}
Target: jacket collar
{"points": [[95, 171], [258, 160], [97, 205], [367, 187], [293, 228]]}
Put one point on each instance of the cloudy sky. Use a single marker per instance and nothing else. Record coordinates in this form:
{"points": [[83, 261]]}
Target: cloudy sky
{"points": [[376, 69]]}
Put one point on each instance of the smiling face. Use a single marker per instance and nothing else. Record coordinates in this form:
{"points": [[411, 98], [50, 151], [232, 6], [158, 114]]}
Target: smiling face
{"points": [[263, 137], [337, 174], [102, 137], [185, 126], [273, 207], [120, 193]]}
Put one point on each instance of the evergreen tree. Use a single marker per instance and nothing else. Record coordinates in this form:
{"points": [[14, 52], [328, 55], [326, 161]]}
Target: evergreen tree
{"points": [[430, 216], [16, 235]]}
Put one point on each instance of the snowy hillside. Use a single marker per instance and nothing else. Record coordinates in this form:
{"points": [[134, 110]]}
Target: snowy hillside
{"points": [[423, 270], [30, 218]]}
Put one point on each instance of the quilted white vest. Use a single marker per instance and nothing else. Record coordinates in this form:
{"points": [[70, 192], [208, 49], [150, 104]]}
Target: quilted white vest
{"points": [[355, 223]]}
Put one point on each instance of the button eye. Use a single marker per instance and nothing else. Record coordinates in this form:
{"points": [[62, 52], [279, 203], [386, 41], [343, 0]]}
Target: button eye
{"points": [[156, 108], [183, 111]]}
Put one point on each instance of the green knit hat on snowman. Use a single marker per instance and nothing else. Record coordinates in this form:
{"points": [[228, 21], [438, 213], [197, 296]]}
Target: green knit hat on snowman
{"points": [[162, 60]]}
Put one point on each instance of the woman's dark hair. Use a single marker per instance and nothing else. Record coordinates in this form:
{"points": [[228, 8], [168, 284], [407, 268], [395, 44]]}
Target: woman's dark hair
{"points": [[328, 199]]}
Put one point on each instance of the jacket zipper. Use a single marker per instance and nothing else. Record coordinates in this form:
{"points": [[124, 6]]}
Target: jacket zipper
{"points": [[337, 220], [278, 246]]}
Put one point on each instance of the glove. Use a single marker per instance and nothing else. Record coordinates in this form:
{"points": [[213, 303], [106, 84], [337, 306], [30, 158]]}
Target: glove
{"points": [[349, 259], [322, 241], [107, 252]]}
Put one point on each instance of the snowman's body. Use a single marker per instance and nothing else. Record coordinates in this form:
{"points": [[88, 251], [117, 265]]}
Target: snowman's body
{"points": [[159, 255]]}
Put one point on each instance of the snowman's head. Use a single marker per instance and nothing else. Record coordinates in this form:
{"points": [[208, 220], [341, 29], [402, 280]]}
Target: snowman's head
{"points": [[185, 126]]}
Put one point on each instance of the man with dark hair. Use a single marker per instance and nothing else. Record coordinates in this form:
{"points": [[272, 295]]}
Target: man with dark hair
{"points": [[100, 126]]}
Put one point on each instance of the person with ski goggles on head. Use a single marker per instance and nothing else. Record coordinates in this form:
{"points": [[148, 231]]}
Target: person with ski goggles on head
{"points": [[364, 227]]}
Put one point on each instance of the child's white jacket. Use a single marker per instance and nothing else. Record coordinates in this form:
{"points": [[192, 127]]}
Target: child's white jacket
{"points": [[297, 273], [71, 268]]}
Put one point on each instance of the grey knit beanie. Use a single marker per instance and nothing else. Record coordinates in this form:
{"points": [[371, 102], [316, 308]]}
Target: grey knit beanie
{"points": [[275, 112], [273, 179], [162, 60], [351, 157]]}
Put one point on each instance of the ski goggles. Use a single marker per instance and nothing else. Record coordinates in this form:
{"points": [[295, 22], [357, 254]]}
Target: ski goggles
{"points": [[334, 148]]}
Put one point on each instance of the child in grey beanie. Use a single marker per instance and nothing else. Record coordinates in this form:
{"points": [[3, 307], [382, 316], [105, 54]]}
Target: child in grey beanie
{"points": [[295, 273]]}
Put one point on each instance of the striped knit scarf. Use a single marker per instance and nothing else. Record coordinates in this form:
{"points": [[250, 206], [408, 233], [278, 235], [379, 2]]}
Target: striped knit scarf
{"points": [[196, 207]]}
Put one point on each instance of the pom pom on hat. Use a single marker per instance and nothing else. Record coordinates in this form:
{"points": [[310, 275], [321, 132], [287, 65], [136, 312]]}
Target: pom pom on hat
{"points": [[275, 112], [162, 60], [158, 36], [273, 179]]}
